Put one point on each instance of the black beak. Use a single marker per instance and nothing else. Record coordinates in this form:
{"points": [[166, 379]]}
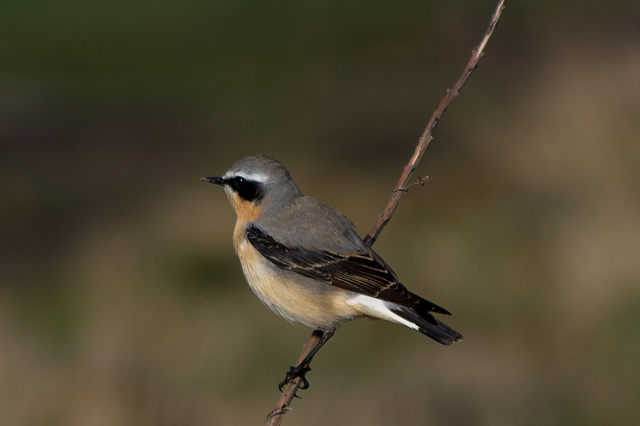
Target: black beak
{"points": [[216, 180]]}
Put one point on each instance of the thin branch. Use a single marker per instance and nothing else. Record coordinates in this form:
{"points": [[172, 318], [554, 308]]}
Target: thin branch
{"points": [[284, 404], [427, 136], [276, 416], [421, 181]]}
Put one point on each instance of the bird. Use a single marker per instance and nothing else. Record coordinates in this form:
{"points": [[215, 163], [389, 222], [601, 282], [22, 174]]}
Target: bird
{"points": [[306, 262]]}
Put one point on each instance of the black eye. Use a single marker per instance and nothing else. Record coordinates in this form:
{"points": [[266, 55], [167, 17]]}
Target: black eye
{"points": [[246, 189]]}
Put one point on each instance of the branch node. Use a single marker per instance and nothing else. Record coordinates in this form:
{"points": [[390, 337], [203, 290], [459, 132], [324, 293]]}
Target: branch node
{"points": [[421, 181], [278, 411]]}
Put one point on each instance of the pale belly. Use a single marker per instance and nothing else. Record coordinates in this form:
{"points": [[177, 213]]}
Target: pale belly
{"points": [[296, 298]]}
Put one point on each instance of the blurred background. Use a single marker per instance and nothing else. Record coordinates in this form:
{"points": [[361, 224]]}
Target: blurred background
{"points": [[122, 301]]}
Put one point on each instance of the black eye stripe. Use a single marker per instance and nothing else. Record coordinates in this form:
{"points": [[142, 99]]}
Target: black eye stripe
{"points": [[246, 189], [236, 182]]}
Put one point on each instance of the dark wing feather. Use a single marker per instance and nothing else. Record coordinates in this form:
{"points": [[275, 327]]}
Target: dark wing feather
{"points": [[364, 273]]}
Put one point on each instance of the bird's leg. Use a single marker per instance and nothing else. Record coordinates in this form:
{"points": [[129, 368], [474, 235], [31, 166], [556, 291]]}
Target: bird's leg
{"points": [[302, 368]]}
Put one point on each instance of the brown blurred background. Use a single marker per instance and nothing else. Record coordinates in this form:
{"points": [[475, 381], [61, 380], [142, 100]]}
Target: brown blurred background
{"points": [[122, 302]]}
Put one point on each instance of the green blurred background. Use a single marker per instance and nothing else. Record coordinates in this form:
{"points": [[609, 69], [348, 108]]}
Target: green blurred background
{"points": [[122, 302]]}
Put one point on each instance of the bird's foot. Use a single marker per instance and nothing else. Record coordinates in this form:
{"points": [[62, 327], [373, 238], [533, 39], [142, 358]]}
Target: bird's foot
{"points": [[295, 372]]}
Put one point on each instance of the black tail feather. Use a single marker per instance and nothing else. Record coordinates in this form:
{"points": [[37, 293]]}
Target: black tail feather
{"points": [[428, 325]]}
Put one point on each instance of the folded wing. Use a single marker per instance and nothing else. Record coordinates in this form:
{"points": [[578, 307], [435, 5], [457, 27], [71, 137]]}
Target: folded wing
{"points": [[364, 273]]}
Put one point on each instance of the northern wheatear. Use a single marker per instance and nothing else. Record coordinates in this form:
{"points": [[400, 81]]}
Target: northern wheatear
{"points": [[305, 261]]}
